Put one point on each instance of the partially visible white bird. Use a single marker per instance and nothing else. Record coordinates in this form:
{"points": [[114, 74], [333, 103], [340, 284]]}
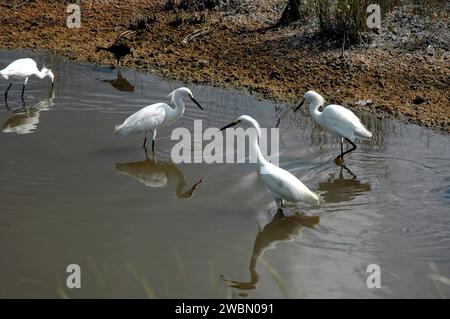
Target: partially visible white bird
{"points": [[282, 184], [150, 118], [23, 69], [337, 120]]}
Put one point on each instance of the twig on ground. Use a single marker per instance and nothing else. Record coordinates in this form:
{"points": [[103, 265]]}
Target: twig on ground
{"points": [[20, 4], [125, 34], [194, 34]]}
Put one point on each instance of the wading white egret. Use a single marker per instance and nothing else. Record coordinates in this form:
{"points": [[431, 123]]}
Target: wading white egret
{"points": [[282, 184], [154, 116], [23, 69], [337, 120]]}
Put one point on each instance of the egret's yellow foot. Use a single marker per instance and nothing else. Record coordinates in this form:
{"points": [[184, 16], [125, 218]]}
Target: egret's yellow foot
{"points": [[339, 160]]}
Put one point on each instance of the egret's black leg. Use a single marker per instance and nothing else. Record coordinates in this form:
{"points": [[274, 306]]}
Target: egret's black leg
{"points": [[340, 158], [6, 92], [350, 150], [145, 141], [153, 139], [348, 170], [23, 91]]}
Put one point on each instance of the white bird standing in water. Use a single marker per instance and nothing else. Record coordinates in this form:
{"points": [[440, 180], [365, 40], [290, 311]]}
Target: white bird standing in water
{"points": [[150, 118], [282, 184], [337, 120], [23, 69]]}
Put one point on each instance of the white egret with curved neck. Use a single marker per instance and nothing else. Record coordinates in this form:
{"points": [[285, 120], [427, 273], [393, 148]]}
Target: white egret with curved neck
{"points": [[23, 69], [337, 120], [282, 184], [148, 119]]}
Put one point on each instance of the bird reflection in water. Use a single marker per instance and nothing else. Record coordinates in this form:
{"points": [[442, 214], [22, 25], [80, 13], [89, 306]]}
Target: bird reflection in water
{"points": [[342, 189], [154, 173], [121, 83], [25, 120], [281, 228]]}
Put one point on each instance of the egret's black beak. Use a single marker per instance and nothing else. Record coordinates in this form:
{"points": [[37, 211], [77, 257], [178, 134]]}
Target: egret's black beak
{"points": [[193, 100], [299, 106], [229, 125]]}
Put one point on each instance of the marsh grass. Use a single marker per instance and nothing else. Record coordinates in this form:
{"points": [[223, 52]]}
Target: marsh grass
{"points": [[103, 285], [438, 280], [341, 19]]}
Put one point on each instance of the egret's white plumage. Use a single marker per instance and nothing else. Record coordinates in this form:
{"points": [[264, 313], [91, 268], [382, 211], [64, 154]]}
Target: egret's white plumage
{"points": [[22, 69], [336, 119], [154, 116], [282, 184], [144, 120]]}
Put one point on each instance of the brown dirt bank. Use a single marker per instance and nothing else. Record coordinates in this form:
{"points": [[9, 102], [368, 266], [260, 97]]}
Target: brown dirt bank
{"points": [[241, 50]]}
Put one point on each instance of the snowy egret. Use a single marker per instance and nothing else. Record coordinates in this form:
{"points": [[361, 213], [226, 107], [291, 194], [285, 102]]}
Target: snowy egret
{"points": [[154, 116], [282, 184], [154, 173], [23, 69], [337, 120]]}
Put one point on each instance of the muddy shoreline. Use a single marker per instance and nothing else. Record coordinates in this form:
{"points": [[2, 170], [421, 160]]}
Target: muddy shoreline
{"points": [[241, 49]]}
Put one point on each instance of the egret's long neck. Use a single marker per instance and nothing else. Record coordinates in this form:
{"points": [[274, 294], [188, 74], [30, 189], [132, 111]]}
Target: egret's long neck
{"points": [[255, 142], [314, 110], [179, 107], [40, 74]]}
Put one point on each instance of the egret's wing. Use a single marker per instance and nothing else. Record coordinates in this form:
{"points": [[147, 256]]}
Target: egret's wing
{"points": [[340, 120], [285, 185], [144, 120], [21, 68]]}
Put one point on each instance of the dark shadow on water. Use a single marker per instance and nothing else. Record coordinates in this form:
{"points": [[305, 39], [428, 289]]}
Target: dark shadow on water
{"points": [[120, 83], [282, 228], [343, 188]]}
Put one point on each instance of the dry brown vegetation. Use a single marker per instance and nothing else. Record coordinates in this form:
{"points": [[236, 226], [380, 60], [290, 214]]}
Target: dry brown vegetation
{"points": [[240, 47]]}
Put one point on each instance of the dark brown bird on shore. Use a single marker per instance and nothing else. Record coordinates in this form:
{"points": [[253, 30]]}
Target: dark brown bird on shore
{"points": [[120, 48]]}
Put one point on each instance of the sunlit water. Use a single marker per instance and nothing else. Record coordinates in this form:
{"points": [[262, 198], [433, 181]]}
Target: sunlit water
{"points": [[72, 192]]}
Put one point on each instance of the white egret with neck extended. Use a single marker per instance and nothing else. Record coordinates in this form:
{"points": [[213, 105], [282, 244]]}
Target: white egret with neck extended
{"points": [[148, 119], [282, 184], [337, 120], [23, 69]]}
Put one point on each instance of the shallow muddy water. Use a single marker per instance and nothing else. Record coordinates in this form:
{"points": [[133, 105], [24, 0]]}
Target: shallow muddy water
{"points": [[72, 192]]}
